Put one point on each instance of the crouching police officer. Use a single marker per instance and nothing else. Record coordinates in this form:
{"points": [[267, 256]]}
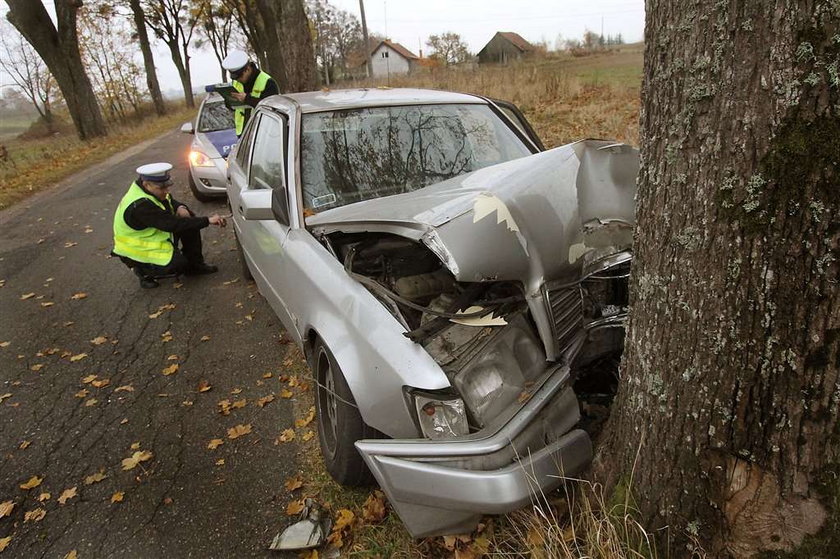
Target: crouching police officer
{"points": [[149, 226], [251, 84]]}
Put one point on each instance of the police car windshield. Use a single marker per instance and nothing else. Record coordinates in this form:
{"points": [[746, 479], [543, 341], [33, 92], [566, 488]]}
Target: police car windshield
{"points": [[215, 116]]}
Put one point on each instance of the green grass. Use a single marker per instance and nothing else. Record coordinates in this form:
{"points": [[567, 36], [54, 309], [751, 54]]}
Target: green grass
{"points": [[12, 124]]}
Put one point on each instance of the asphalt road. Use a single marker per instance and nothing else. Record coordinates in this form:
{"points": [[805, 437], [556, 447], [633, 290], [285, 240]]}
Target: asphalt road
{"points": [[183, 501]]}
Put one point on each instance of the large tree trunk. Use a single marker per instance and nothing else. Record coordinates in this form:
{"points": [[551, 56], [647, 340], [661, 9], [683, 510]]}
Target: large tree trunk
{"points": [[148, 59], [59, 48], [290, 56], [730, 390]]}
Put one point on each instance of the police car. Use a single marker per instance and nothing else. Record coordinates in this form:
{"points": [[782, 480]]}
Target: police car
{"points": [[214, 137]]}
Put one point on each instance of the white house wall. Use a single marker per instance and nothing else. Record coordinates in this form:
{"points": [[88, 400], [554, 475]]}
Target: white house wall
{"points": [[394, 64]]}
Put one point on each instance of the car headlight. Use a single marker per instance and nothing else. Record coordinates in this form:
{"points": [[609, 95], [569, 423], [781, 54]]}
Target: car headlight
{"points": [[440, 416], [199, 159]]}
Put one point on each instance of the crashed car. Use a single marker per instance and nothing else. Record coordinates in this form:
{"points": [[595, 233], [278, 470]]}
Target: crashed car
{"points": [[458, 291], [215, 135]]}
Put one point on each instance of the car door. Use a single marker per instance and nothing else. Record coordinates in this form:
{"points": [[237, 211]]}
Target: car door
{"points": [[263, 240]]}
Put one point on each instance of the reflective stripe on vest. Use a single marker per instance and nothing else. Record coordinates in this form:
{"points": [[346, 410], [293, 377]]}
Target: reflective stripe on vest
{"points": [[149, 245], [239, 112]]}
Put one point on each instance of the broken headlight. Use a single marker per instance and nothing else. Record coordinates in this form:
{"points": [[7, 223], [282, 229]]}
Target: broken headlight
{"points": [[440, 416]]}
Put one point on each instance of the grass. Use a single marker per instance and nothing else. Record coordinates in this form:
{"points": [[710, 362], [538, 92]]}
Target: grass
{"points": [[36, 165]]}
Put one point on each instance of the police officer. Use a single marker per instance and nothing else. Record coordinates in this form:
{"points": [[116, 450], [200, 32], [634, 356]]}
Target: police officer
{"points": [[149, 226], [251, 84]]}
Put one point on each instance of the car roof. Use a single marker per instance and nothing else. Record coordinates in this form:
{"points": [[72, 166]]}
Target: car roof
{"points": [[331, 100]]}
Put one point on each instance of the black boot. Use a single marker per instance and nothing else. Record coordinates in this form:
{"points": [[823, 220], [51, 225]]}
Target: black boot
{"points": [[201, 269], [146, 282]]}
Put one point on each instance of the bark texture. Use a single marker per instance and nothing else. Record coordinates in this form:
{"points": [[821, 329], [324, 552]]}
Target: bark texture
{"points": [[58, 46], [289, 53], [730, 390], [148, 59]]}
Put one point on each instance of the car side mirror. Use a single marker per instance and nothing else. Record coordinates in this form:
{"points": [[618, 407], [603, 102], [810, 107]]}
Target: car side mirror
{"points": [[280, 205], [256, 204], [187, 128]]}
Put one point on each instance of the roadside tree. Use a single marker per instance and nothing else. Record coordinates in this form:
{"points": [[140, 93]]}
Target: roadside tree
{"points": [[58, 46], [216, 27], [139, 18], [174, 22], [728, 408], [449, 48]]}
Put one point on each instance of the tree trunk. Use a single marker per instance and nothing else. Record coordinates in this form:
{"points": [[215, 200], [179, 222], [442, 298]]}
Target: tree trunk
{"points": [[148, 58], [183, 73], [59, 48], [290, 57], [730, 390]]}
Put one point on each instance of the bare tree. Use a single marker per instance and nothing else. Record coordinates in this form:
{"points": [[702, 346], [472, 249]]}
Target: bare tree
{"points": [[173, 21], [728, 408], [449, 48], [139, 18], [216, 25], [29, 73], [58, 46]]}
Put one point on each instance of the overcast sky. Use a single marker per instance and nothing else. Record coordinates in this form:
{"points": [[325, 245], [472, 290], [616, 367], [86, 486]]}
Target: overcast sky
{"points": [[410, 22]]}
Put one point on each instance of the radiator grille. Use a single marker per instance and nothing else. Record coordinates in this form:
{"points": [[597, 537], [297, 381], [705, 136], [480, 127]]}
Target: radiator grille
{"points": [[565, 305]]}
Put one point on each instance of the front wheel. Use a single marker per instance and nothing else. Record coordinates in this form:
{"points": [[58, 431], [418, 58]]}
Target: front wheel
{"points": [[339, 422]]}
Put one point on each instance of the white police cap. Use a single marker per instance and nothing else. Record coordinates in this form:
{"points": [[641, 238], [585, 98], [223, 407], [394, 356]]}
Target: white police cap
{"points": [[235, 60], [155, 172]]}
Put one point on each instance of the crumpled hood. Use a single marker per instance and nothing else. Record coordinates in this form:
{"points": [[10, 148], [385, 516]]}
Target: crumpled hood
{"points": [[541, 217]]}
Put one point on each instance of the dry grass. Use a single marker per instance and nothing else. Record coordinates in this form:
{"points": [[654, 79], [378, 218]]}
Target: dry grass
{"points": [[36, 165]]}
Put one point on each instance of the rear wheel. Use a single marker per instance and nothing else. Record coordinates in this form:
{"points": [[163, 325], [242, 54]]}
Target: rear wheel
{"points": [[339, 422], [199, 195]]}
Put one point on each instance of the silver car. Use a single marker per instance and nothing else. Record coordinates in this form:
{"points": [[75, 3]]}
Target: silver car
{"points": [[215, 136], [460, 293]]}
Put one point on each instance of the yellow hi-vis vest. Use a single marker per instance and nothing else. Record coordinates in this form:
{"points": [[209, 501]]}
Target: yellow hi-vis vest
{"points": [[149, 245], [239, 112]]}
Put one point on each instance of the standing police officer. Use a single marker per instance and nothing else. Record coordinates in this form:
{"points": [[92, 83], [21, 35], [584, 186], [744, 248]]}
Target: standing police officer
{"points": [[251, 84], [149, 226]]}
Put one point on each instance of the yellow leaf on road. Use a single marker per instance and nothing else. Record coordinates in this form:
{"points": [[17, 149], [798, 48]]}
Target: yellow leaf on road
{"points": [[95, 478], [4, 344], [286, 393], [4, 396], [91, 402], [6, 508], [83, 393], [204, 386], [308, 436], [135, 446], [66, 495], [171, 370], [285, 436], [295, 507], [166, 337], [303, 422], [26, 296], [100, 383], [33, 482], [78, 357], [220, 462], [265, 400], [34, 515], [293, 381], [78, 296], [239, 403], [88, 379], [267, 375], [99, 340], [4, 542], [239, 430], [293, 483], [236, 391], [172, 357], [133, 460], [117, 497], [124, 388], [44, 497], [205, 338], [215, 443], [37, 367], [47, 304], [72, 554], [24, 445]]}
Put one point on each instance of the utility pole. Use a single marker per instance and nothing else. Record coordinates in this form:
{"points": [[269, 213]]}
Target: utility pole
{"points": [[365, 34]]}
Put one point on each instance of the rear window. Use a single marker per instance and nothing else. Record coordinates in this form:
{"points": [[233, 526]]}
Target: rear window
{"points": [[354, 155], [215, 116]]}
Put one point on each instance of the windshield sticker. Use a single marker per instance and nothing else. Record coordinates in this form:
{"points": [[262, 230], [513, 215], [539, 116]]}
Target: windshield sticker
{"points": [[324, 200]]}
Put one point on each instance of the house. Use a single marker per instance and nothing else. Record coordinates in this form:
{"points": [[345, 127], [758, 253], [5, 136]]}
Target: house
{"points": [[389, 58], [505, 46]]}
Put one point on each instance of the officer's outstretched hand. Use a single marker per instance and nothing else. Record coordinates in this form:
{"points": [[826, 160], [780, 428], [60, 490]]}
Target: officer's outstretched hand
{"points": [[216, 219]]}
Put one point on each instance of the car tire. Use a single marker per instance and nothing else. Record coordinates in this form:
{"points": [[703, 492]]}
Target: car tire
{"points": [[199, 195], [339, 422], [246, 271]]}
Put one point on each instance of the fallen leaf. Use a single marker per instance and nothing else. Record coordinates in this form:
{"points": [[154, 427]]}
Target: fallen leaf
{"points": [[524, 396], [285, 436], [265, 400], [95, 478], [44, 497], [224, 407], [66, 495], [33, 482], [24, 445], [373, 510], [124, 388], [68, 323], [187, 403], [135, 446], [37, 367], [78, 296], [239, 403], [343, 524], [4, 344], [166, 337], [215, 443], [6, 508], [91, 402], [293, 483], [88, 379], [288, 362], [117, 497], [133, 460], [168, 500], [47, 304], [220, 462], [308, 435], [295, 507], [78, 357], [172, 357], [4, 396], [204, 386], [83, 393], [205, 338], [99, 340], [70, 244], [283, 378], [231, 281], [286, 393], [26, 296], [4, 542], [171, 370], [72, 553], [100, 383], [34, 515], [303, 422], [267, 375], [236, 391], [238, 431], [293, 381]]}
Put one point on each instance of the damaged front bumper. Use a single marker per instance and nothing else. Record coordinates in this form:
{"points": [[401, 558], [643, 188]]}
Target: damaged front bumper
{"points": [[444, 487]]}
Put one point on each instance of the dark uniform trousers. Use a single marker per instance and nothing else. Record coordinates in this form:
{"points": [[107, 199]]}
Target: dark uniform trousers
{"points": [[183, 260]]}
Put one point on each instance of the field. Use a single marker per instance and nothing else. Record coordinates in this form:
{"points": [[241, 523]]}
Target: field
{"points": [[12, 124]]}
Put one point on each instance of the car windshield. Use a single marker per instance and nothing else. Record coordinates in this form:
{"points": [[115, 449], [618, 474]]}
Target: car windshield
{"points": [[215, 116], [354, 155]]}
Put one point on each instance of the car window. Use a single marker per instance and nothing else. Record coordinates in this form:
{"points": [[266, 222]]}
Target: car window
{"points": [[244, 147], [215, 116], [354, 155], [267, 159]]}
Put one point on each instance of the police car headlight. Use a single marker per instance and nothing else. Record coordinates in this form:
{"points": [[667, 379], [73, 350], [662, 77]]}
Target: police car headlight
{"points": [[199, 159], [440, 416]]}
